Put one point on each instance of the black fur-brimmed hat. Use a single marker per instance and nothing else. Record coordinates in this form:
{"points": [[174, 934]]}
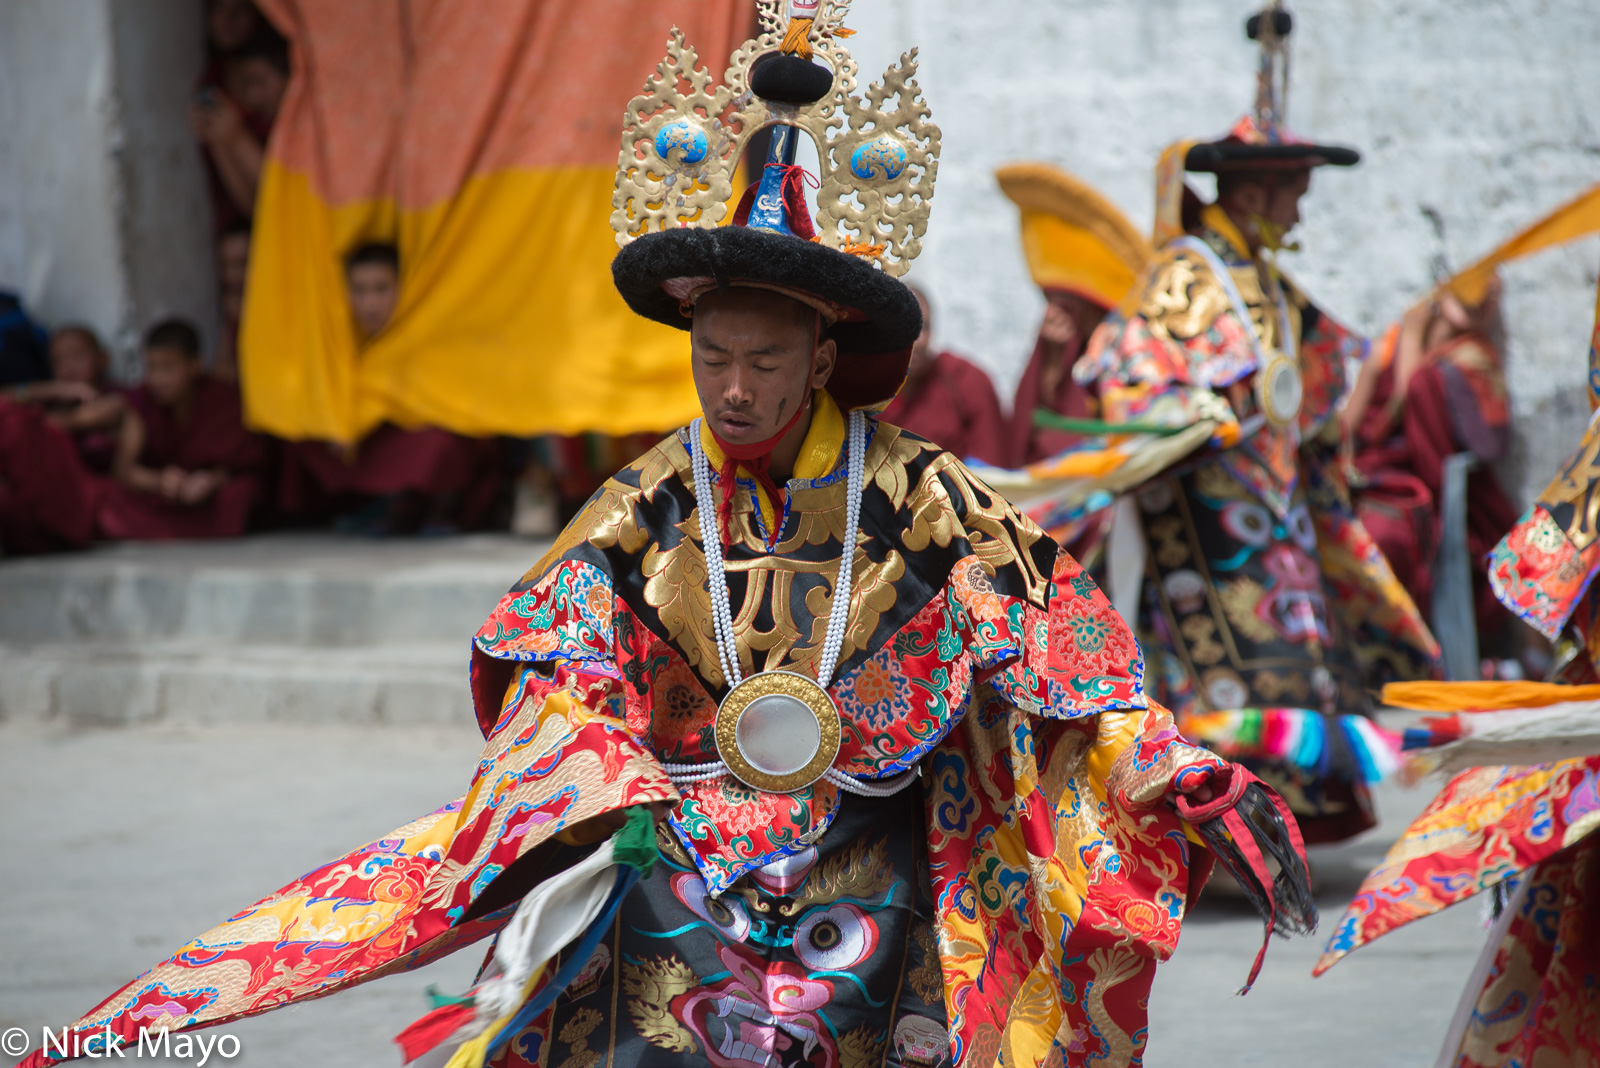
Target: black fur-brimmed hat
{"points": [[874, 317], [876, 164], [1249, 147]]}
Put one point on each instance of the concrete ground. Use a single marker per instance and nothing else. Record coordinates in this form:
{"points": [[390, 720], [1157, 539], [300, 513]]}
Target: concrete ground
{"points": [[119, 845]]}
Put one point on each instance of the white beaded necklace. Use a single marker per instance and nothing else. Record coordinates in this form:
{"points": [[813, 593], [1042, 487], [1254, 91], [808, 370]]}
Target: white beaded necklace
{"points": [[717, 578], [838, 613]]}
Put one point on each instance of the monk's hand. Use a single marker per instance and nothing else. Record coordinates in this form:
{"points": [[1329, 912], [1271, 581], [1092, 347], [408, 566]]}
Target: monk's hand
{"points": [[1058, 327], [217, 122], [198, 486], [170, 482]]}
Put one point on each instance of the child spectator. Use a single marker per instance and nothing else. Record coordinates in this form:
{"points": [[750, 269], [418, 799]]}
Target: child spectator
{"points": [[234, 119], [395, 481], [231, 23], [54, 436], [185, 465], [372, 281], [78, 399]]}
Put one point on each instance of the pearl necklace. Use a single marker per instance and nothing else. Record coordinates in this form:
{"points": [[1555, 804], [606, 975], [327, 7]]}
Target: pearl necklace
{"points": [[833, 641], [716, 576]]}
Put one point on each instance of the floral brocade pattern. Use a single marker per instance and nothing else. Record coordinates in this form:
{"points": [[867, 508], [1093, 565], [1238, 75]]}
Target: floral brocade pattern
{"points": [[1077, 659], [976, 653], [1485, 825], [1540, 1001], [410, 897]]}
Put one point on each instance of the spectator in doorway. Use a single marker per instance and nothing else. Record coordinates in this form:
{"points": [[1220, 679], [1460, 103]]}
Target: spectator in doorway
{"points": [[185, 465], [395, 480], [948, 400], [372, 282], [233, 120], [230, 24]]}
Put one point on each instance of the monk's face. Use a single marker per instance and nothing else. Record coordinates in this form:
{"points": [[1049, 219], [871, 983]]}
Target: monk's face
{"points": [[170, 374], [258, 86], [1274, 196], [756, 359], [77, 357], [374, 290]]}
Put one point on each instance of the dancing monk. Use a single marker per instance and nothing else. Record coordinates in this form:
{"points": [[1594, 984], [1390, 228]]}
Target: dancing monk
{"points": [[889, 786], [1270, 609]]}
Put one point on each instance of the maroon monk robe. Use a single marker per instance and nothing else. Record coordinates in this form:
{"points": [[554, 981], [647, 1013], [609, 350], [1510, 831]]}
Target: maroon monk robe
{"points": [[428, 461], [1030, 443], [1454, 403], [952, 404], [46, 496], [213, 436]]}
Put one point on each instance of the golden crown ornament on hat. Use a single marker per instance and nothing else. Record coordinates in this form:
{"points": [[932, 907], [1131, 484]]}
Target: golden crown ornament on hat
{"points": [[779, 731], [877, 154]]}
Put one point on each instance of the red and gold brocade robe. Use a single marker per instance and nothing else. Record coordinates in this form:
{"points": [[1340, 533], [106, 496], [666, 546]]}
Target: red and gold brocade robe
{"points": [[976, 651], [1533, 998], [1267, 602]]}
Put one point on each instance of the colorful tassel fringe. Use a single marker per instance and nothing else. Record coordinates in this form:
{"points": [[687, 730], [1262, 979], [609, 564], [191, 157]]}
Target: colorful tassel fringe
{"points": [[1298, 736]]}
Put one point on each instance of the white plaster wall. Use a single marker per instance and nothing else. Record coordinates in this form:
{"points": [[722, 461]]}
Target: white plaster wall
{"points": [[103, 212], [1482, 114], [58, 189]]}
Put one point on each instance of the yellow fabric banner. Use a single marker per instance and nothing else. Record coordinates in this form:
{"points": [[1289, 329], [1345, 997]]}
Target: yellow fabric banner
{"points": [[1572, 220], [482, 140]]}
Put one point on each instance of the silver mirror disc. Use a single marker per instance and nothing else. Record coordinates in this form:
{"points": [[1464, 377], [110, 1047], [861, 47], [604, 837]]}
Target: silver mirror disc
{"points": [[778, 734]]}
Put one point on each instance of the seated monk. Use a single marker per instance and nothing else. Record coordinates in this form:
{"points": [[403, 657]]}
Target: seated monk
{"points": [[185, 465], [79, 398], [55, 435], [395, 481], [1434, 387], [948, 400]]}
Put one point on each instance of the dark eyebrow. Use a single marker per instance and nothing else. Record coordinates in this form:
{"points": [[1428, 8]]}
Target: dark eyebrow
{"points": [[775, 349]]}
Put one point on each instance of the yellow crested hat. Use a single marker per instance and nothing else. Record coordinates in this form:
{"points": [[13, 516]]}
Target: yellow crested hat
{"points": [[1074, 238]]}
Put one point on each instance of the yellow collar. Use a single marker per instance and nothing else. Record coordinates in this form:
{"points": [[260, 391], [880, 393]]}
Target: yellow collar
{"points": [[819, 452], [1217, 219]]}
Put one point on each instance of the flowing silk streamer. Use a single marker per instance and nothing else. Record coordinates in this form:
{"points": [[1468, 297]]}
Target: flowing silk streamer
{"points": [[1576, 218]]}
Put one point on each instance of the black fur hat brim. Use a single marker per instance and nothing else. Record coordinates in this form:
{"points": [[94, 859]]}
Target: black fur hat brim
{"points": [[874, 338], [1229, 155]]}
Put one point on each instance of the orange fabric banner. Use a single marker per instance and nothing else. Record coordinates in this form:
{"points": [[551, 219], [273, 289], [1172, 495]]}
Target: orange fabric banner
{"points": [[482, 140]]}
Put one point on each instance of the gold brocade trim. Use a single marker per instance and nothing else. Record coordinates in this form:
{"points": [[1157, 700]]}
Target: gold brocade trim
{"points": [[939, 504], [1575, 487]]}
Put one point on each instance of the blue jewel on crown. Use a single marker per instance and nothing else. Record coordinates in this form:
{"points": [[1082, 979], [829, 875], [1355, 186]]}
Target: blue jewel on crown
{"points": [[682, 135]]}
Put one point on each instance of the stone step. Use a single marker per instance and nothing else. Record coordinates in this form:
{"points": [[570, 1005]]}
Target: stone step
{"points": [[110, 684], [314, 590]]}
